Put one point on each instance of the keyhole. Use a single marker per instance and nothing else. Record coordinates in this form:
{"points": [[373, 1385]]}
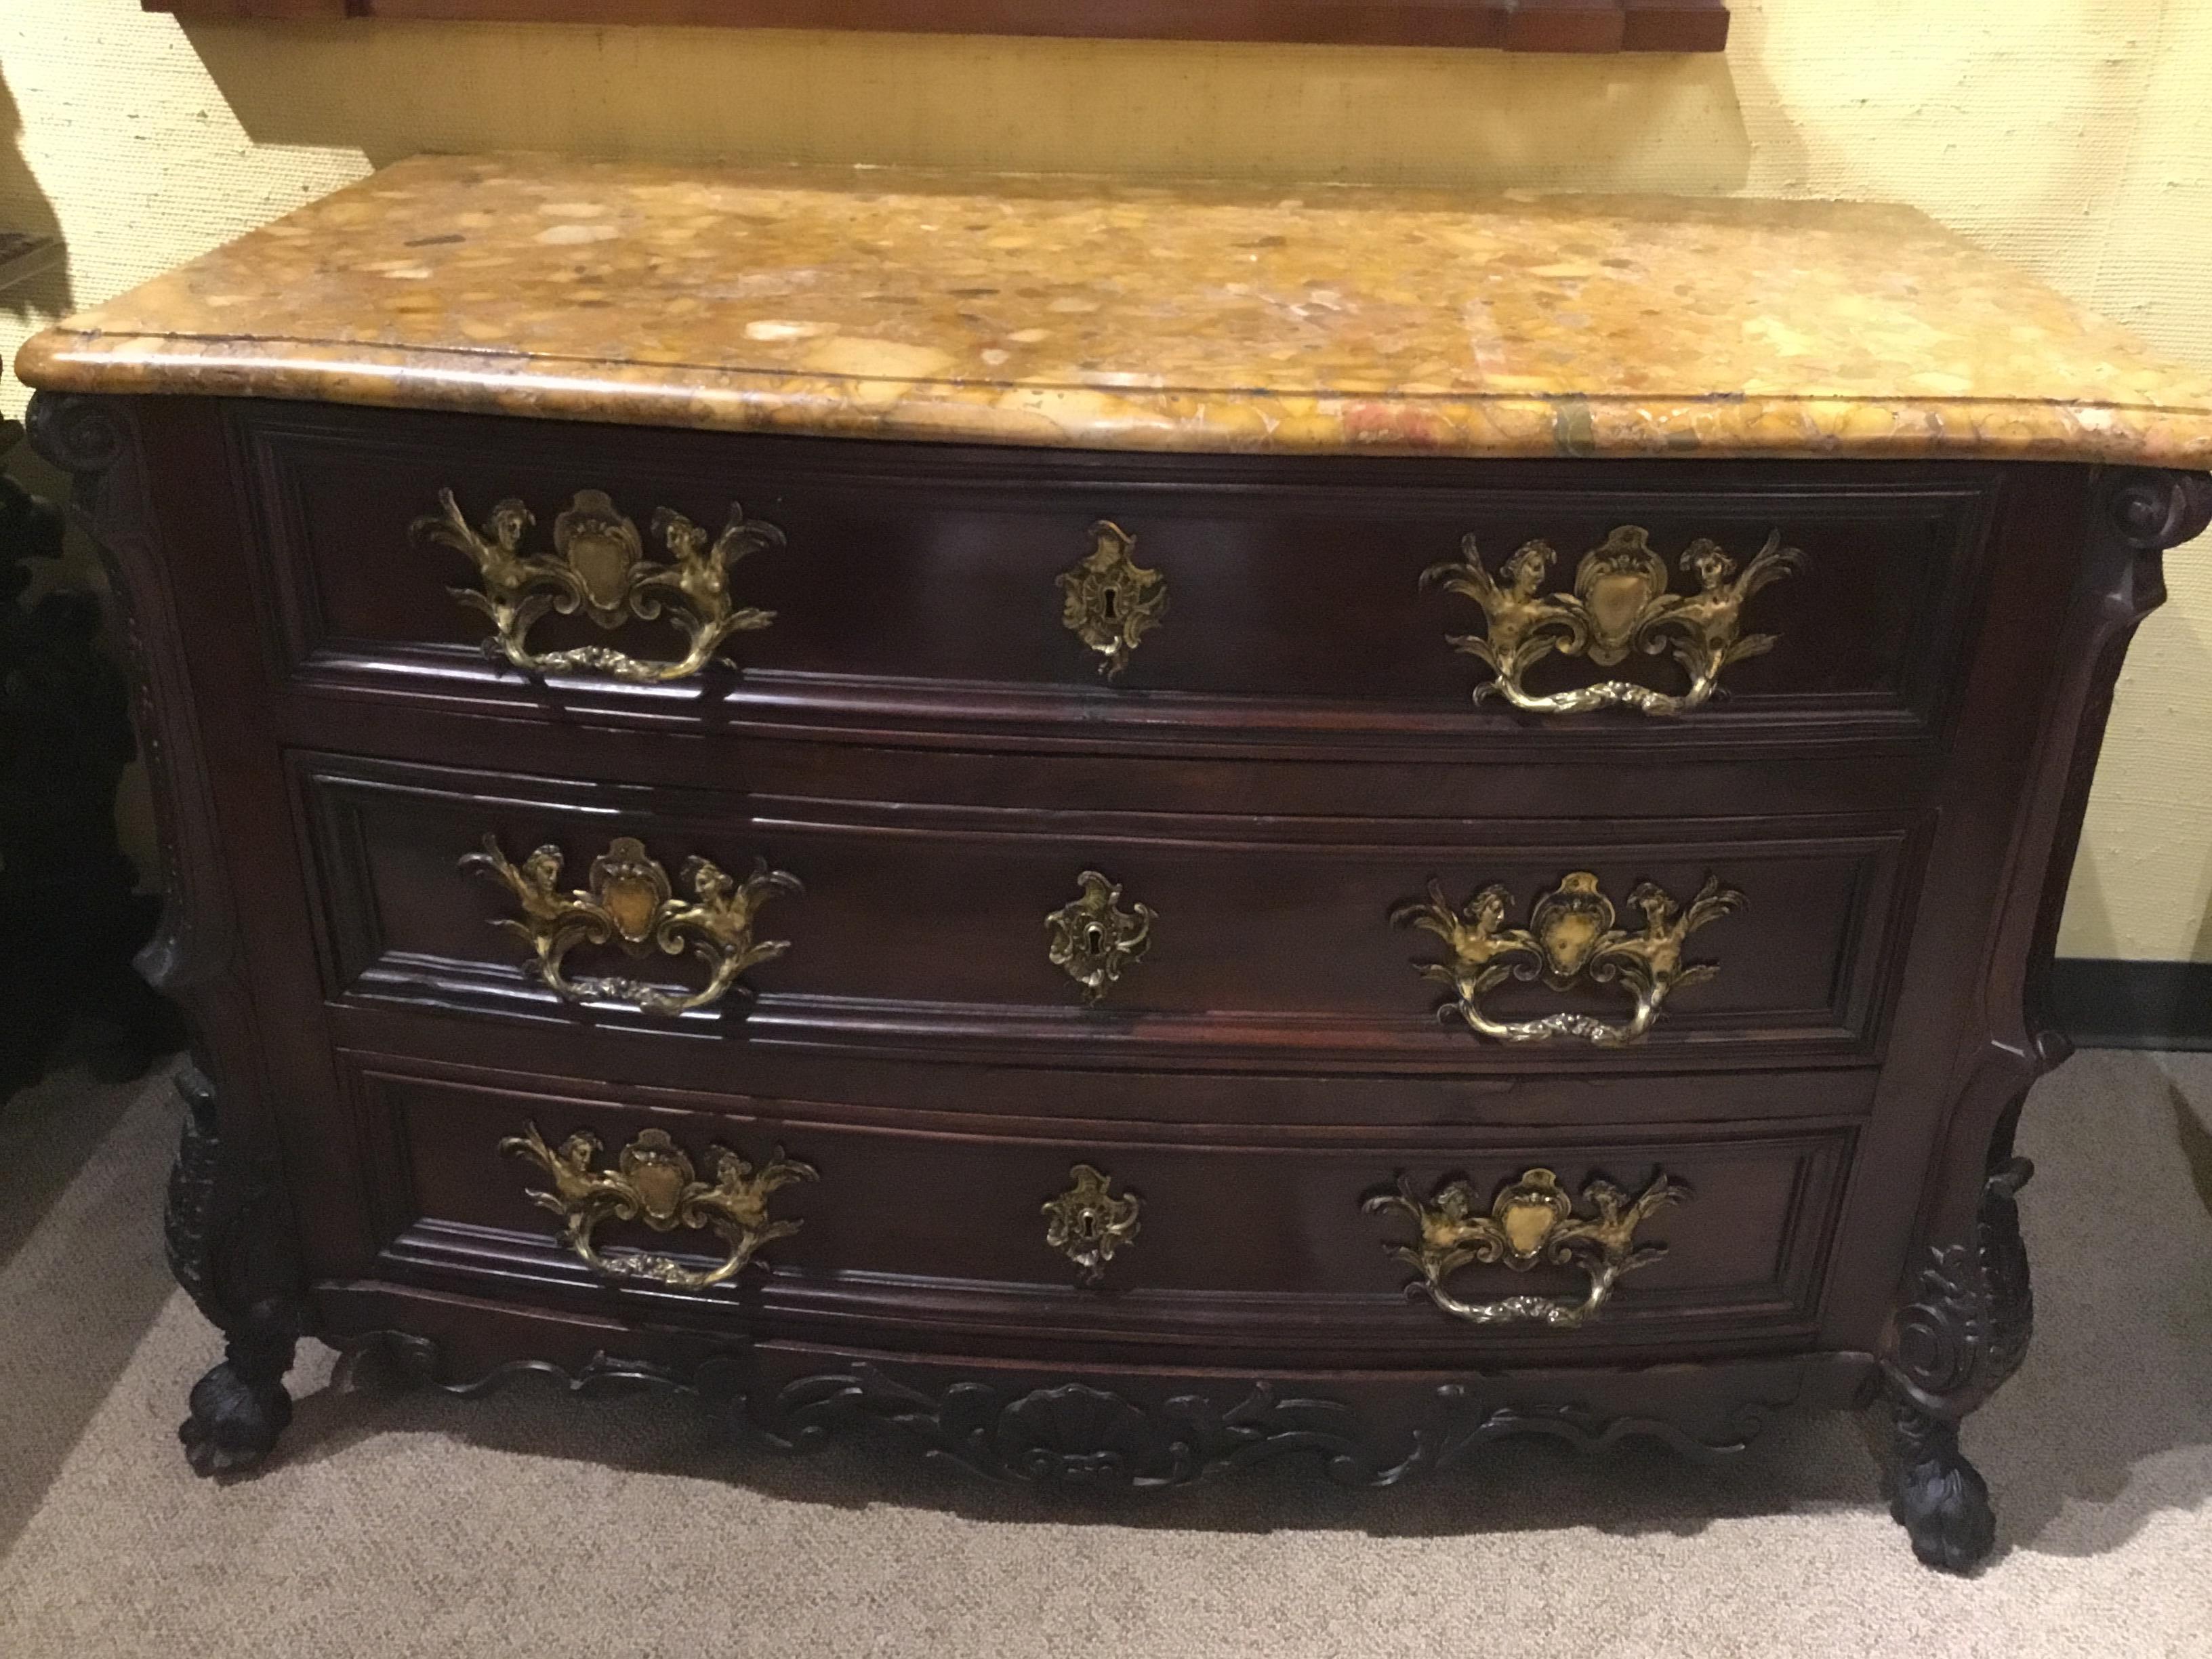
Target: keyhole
{"points": [[1094, 938], [1111, 605]]}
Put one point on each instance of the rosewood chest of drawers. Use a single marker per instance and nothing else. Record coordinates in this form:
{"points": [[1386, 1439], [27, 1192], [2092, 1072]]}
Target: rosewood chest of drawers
{"points": [[1328, 827]]}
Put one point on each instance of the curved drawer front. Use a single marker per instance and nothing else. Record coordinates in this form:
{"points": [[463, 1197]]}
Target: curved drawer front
{"points": [[1227, 1243], [1094, 936], [920, 584]]}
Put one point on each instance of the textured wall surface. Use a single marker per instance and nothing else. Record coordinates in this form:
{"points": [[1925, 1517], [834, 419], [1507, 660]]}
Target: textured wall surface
{"points": [[2074, 136]]}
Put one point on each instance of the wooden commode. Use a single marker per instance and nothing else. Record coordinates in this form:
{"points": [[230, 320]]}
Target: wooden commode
{"points": [[1120, 830]]}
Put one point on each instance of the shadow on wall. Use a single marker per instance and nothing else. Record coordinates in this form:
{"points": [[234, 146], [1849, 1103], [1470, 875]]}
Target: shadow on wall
{"points": [[1145, 108], [24, 208]]}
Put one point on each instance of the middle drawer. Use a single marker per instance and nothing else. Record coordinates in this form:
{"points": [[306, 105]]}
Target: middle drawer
{"points": [[1108, 938]]}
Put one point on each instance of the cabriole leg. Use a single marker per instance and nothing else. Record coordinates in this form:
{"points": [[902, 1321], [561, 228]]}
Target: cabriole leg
{"points": [[217, 1215], [1949, 1351]]}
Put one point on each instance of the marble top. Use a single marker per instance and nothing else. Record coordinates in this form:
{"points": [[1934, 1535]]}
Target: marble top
{"points": [[1082, 312]]}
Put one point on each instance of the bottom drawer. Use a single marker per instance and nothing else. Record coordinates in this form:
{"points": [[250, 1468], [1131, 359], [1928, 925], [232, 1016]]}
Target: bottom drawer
{"points": [[1350, 1240]]}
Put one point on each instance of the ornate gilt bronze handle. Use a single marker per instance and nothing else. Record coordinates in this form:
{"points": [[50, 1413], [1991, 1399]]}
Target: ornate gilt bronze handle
{"points": [[1093, 939], [1620, 603], [630, 903], [1087, 1223], [654, 1181], [1530, 1221], [1110, 601], [598, 567], [1570, 936]]}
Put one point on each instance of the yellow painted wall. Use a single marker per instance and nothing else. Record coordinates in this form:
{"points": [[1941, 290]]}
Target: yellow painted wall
{"points": [[2074, 136]]}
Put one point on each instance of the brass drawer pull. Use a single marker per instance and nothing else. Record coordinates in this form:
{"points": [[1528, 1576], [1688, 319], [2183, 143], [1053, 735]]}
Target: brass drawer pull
{"points": [[1087, 1223], [1093, 939], [630, 903], [1570, 937], [1110, 601], [1620, 603], [654, 1181], [1530, 1221], [598, 567]]}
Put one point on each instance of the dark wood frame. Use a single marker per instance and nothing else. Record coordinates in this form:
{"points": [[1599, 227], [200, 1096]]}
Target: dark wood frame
{"points": [[1509, 24], [273, 1232]]}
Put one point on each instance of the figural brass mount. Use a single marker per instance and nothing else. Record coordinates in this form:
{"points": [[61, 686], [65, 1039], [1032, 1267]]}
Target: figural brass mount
{"points": [[654, 1181], [1110, 601], [630, 903], [1087, 1223], [598, 567], [1530, 1221], [1093, 939], [1570, 936], [1620, 603]]}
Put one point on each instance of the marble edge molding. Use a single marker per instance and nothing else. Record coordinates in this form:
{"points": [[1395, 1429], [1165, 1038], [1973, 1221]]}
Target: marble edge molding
{"points": [[1166, 419]]}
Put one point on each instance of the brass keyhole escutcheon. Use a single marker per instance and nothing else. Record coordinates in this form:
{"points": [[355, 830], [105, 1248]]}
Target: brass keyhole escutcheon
{"points": [[1109, 601], [1088, 1223], [1092, 939]]}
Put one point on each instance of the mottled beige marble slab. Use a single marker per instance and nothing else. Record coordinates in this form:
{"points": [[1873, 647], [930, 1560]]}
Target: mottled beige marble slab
{"points": [[1081, 311]]}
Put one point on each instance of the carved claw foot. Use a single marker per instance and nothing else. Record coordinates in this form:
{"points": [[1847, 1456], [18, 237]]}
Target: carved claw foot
{"points": [[1949, 1351], [226, 1247], [1937, 1496], [238, 1409]]}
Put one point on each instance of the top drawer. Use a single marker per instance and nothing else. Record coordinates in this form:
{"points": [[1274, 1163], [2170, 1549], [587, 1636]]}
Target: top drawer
{"points": [[1249, 599]]}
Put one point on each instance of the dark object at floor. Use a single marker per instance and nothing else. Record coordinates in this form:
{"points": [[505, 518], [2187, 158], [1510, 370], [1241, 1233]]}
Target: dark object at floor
{"points": [[73, 914], [2118, 1004]]}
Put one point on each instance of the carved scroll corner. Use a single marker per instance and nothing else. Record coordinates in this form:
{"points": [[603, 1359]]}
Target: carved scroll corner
{"points": [[2154, 509], [78, 432]]}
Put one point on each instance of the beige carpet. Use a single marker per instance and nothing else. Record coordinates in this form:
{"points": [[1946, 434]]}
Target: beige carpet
{"points": [[530, 1524]]}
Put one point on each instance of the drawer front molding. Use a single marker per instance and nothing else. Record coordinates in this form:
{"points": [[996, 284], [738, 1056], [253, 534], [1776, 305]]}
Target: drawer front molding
{"points": [[926, 603], [631, 902], [918, 932], [597, 568], [1251, 1238]]}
